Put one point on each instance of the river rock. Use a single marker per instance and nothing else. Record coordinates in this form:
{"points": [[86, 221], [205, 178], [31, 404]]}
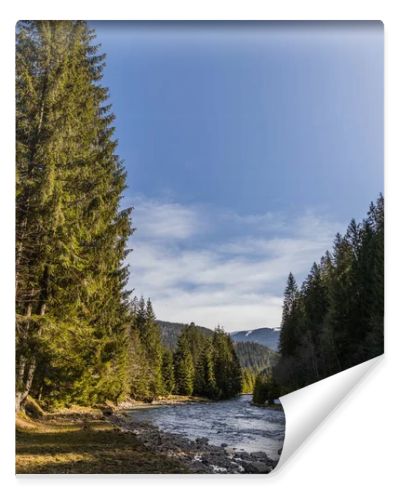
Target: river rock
{"points": [[259, 455], [256, 467], [243, 455], [198, 455], [202, 441]]}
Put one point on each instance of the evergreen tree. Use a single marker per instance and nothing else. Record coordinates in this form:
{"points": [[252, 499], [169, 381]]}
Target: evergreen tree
{"points": [[249, 379], [168, 375], [373, 264], [289, 337], [205, 382], [265, 389], [227, 368], [139, 370], [315, 309], [148, 344], [71, 237], [154, 349], [184, 368], [196, 340]]}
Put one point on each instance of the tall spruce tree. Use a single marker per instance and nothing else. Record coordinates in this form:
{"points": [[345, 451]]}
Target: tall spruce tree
{"points": [[373, 264], [289, 335], [146, 335], [168, 374], [228, 373], [154, 349], [205, 383], [184, 367], [70, 234]]}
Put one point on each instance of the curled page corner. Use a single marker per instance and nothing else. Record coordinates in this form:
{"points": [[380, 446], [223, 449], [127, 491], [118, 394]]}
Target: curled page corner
{"points": [[307, 408]]}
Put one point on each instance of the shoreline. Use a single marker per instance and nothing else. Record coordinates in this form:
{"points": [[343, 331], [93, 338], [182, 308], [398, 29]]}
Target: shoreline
{"points": [[174, 400], [84, 440], [197, 455]]}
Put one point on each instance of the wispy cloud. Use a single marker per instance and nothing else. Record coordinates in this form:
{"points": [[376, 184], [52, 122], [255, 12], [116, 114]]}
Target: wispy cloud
{"points": [[217, 267], [164, 220]]}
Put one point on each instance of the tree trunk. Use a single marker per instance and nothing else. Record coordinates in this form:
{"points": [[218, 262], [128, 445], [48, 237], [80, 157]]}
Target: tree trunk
{"points": [[25, 376], [23, 391]]}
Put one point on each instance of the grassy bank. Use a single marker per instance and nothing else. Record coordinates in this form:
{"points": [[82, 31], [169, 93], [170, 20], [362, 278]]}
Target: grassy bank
{"points": [[80, 441]]}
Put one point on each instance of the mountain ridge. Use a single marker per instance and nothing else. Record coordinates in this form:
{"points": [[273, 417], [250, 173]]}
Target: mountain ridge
{"points": [[253, 355], [265, 336], [268, 337]]}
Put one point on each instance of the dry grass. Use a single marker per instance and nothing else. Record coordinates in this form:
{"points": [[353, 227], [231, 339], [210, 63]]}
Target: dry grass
{"points": [[78, 442]]}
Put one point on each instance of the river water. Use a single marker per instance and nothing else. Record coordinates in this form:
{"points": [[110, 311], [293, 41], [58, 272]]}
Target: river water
{"points": [[234, 422]]}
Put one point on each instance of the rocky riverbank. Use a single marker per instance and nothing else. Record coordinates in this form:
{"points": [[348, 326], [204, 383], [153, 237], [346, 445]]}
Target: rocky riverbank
{"points": [[198, 456]]}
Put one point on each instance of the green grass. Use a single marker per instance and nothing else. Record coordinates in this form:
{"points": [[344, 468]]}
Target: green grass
{"points": [[65, 446]]}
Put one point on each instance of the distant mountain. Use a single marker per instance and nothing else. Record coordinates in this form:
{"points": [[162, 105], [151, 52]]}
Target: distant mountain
{"points": [[171, 331], [255, 356], [251, 354], [268, 337]]}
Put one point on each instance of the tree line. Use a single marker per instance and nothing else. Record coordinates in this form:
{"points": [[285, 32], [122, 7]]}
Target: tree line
{"points": [[200, 365], [335, 319]]}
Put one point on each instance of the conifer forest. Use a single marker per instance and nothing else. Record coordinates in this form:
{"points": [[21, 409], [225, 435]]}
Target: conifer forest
{"points": [[82, 336]]}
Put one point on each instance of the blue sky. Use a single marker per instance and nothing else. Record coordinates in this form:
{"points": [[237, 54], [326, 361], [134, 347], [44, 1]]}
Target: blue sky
{"points": [[247, 146]]}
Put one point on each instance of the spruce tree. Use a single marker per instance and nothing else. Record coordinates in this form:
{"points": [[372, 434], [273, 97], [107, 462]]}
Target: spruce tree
{"points": [[70, 234], [228, 373], [288, 336], [148, 341], [374, 260], [265, 389], [154, 349], [184, 368], [204, 381], [168, 375]]}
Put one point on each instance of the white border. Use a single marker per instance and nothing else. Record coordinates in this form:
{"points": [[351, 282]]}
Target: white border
{"points": [[355, 453]]}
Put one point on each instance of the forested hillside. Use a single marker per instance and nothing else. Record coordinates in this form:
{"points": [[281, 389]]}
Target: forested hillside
{"points": [[253, 357], [268, 337], [171, 331], [335, 319], [256, 356], [202, 364], [250, 354]]}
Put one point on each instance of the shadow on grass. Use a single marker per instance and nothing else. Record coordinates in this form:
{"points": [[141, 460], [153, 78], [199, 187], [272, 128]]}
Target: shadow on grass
{"points": [[99, 449]]}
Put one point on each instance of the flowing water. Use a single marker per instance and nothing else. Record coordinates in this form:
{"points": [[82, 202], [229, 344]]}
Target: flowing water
{"points": [[234, 422]]}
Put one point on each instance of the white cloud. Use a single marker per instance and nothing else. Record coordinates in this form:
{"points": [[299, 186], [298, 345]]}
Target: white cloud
{"points": [[236, 281], [164, 220]]}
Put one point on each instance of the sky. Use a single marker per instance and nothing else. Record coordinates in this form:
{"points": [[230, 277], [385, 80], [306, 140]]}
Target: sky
{"points": [[248, 146]]}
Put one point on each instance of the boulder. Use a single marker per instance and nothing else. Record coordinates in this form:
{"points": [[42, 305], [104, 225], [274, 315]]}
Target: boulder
{"points": [[256, 467], [259, 455], [202, 441], [243, 455]]}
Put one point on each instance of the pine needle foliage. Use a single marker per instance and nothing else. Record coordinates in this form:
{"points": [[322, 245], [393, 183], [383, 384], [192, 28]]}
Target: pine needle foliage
{"points": [[335, 320], [71, 299]]}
